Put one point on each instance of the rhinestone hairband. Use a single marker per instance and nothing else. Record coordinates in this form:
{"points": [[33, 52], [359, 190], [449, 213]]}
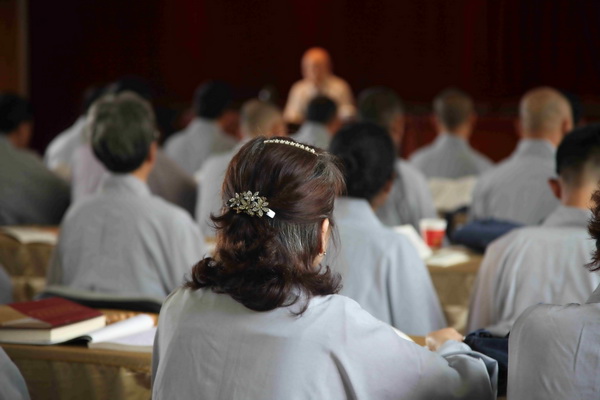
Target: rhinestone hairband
{"points": [[290, 143], [251, 203]]}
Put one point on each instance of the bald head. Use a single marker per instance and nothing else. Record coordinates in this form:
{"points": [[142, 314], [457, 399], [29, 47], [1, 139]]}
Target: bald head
{"points": [[545, 114], [260, 118], [453, 109], [316, 64]]}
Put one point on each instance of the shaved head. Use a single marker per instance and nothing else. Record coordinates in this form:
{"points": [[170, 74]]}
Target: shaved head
{"points": [[260, 118], [544, 112], [316, 64], [453, 108]]}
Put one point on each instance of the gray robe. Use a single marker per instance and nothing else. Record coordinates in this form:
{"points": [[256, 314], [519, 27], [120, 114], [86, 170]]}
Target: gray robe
{"points": [[209, 346], [554, 352], [125, 241], [410, 199], [314, 134], [29, 193], [538, 264], [199, 140], [210, 182], [12, 384], [382, 270], [517, 189], [450, 157], [60, 151]]}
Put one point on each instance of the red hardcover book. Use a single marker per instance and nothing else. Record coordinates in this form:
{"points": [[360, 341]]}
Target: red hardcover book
{"points": [[47, 321]]}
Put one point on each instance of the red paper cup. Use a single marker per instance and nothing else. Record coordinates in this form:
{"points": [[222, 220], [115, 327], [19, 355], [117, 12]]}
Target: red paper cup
{"points": [[433, 231]]}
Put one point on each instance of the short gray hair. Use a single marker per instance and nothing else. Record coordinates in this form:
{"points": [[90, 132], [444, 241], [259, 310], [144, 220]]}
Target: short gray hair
{"points": [[122, 127], [453, 107]]}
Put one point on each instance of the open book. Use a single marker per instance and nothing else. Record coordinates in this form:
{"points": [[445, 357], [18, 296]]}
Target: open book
{"points": [[133, 334]]}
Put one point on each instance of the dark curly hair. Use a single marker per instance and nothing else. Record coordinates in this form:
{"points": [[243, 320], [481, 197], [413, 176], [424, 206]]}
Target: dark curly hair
{"points": [[265, 263]]}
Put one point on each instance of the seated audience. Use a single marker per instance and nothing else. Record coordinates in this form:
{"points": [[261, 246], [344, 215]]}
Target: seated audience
{"points": [[166, 180], [29, 192], [12, 384], [542, 264], [123, 240], [553, 348], [205, 135], [321, 123], [516, 190], [380, 268], [450, 156], [410, 198], [258, 118], [318, 79], [261, 319], [60, 151]]}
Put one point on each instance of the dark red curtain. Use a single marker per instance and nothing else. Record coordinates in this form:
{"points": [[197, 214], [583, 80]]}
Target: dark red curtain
{"points": [[494, 50]]}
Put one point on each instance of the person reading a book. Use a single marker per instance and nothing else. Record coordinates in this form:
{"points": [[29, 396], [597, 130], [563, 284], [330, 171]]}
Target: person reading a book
{"points": [[381, 269], [261, 318], [123, 240]]}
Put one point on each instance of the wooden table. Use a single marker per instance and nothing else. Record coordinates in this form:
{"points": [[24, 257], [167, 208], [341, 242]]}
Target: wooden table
{"points": [[454, 285], [76, 372]]}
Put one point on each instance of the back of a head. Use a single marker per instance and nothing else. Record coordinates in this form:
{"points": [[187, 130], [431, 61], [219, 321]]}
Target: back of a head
{"points": [[14, 110], [264, 262], [212, 99], [258, 118], [122, 128], [379, 105], [367, 153], [578, 157], [321, 110], [453, 108], [542, 112]]}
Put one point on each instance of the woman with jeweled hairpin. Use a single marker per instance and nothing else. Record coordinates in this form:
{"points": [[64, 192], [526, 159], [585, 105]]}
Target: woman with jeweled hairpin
{"points": [[262, 320]]}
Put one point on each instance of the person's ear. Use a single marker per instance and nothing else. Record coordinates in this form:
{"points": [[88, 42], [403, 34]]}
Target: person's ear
{"points": [[324, 236], [555, 187]]}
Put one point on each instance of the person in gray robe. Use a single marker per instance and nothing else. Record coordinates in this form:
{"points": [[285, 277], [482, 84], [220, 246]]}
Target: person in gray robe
{"points": [[553, 349], [542, 264], [12, 384], [410, 199], [261, 320], [450, 156], [204, 136], [321, 123], [123, 240], [58, 156], [257, 118], [380, 268], [516, 190], [29, 192]]}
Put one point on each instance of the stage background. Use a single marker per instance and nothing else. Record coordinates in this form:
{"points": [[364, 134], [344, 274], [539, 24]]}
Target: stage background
{"points": [[495, 50]]}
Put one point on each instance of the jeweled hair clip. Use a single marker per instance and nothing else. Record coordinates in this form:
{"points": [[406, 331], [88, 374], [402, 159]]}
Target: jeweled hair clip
{"points": [[290, 143], [251, 204]]}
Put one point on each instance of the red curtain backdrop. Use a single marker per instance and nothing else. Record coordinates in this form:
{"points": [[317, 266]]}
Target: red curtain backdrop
{"points": [[495, 50]]}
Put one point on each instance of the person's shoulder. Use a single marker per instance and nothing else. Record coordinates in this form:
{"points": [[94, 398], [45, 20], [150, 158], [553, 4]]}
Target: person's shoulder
{"points": [[175, 141], [409, 171]]}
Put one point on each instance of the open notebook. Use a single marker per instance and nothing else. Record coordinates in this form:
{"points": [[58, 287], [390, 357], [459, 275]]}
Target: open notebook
{"points": [[133, 334]]}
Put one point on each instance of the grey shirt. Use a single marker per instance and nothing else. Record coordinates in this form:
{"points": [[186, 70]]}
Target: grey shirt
{"points": [[199, 140], [450, 157], [29, 192], [314, 134], [12, 384], [410, 199], [538, 264], [382, 271], [125, 241], [517, 189], [553, 352], [60, 151], [209, 346]]}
